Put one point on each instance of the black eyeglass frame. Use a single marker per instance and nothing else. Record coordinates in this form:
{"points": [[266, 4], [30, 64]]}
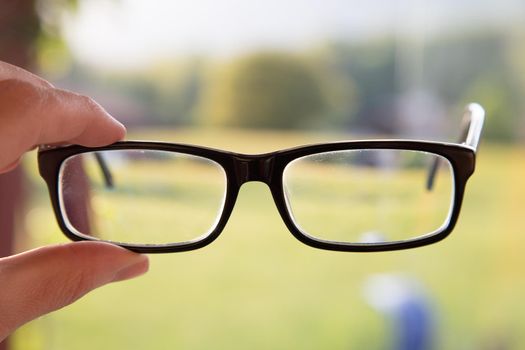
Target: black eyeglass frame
{"points": [[268, 168]]}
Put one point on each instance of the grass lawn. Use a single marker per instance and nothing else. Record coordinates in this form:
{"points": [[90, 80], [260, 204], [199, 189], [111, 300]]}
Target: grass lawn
{"points": [[257, 287]]}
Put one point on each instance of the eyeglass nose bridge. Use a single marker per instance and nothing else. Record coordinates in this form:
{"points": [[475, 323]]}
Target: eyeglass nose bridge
{"points": [[253, 168]]}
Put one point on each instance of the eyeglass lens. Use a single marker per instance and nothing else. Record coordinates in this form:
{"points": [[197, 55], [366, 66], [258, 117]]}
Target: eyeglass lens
{"points": [[152, 197], [368, 196]]}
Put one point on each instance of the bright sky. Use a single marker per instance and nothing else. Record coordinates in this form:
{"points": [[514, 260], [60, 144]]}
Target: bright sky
{"points": [[127, 33]]}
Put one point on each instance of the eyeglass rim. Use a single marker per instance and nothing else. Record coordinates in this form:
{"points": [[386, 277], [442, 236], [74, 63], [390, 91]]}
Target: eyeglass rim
{"points": [[235, 165]]}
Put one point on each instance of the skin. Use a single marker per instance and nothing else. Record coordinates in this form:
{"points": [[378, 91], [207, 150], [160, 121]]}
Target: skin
{"points": [[33, 112]]}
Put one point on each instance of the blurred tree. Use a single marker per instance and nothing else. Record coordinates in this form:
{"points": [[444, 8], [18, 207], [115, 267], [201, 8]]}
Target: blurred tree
{"points": [[481, 66], [501, 109], [339, 88], [369, 70], [476, 67], [164, 93], [52, 54], [452, 64], [373, 66], [268, 90], [19, 29], [516, 57], [178, 88]]}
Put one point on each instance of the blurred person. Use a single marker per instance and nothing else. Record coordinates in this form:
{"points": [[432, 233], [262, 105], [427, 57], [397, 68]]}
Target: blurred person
{"points": [[33, 112], [404, 299]]}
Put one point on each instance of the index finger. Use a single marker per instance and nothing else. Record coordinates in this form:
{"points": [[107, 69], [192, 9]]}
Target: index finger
{"points": [[77, 119], [32, 115]]}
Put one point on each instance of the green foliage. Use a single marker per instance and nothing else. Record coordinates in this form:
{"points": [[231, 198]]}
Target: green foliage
{"points": [[453, 64], [269, 90], [368, 73], [349, 85], [340, 91], [478, 68], [174, 89], [53, 56], [502, 113]]}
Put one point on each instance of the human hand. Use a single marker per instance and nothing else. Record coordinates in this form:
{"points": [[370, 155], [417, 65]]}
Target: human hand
{"points": [[33, 112]]}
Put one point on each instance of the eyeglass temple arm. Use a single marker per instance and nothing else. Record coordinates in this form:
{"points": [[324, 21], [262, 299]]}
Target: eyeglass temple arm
{"points": [[475, 116], [471, 127], [108, 178], [106, 173]]}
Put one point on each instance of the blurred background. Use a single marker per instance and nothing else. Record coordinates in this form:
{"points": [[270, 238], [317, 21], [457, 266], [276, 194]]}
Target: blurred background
{"points": [[255, 76]]}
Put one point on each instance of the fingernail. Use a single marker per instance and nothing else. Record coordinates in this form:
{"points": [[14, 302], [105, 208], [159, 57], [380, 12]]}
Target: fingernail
{"points": [[122, 128], [134, 270]]}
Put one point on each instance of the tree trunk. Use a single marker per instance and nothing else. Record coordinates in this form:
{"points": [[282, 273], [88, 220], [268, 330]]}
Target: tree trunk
{"points": [[19, 29]]}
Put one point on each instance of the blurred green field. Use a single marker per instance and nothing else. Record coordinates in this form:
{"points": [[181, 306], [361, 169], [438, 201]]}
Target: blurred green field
{"points": [[257, 287]]}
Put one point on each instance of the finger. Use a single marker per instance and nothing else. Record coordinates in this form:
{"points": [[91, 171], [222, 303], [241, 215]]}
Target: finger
{"points": [[46, 279], [8, 71], [77, 119], [32, 115]]}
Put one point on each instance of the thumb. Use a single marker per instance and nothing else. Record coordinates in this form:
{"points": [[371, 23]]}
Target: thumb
{"points": [[46, 279]]}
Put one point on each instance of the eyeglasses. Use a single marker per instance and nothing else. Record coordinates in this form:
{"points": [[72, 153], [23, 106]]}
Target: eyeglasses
{"points": [[155, 197]]}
